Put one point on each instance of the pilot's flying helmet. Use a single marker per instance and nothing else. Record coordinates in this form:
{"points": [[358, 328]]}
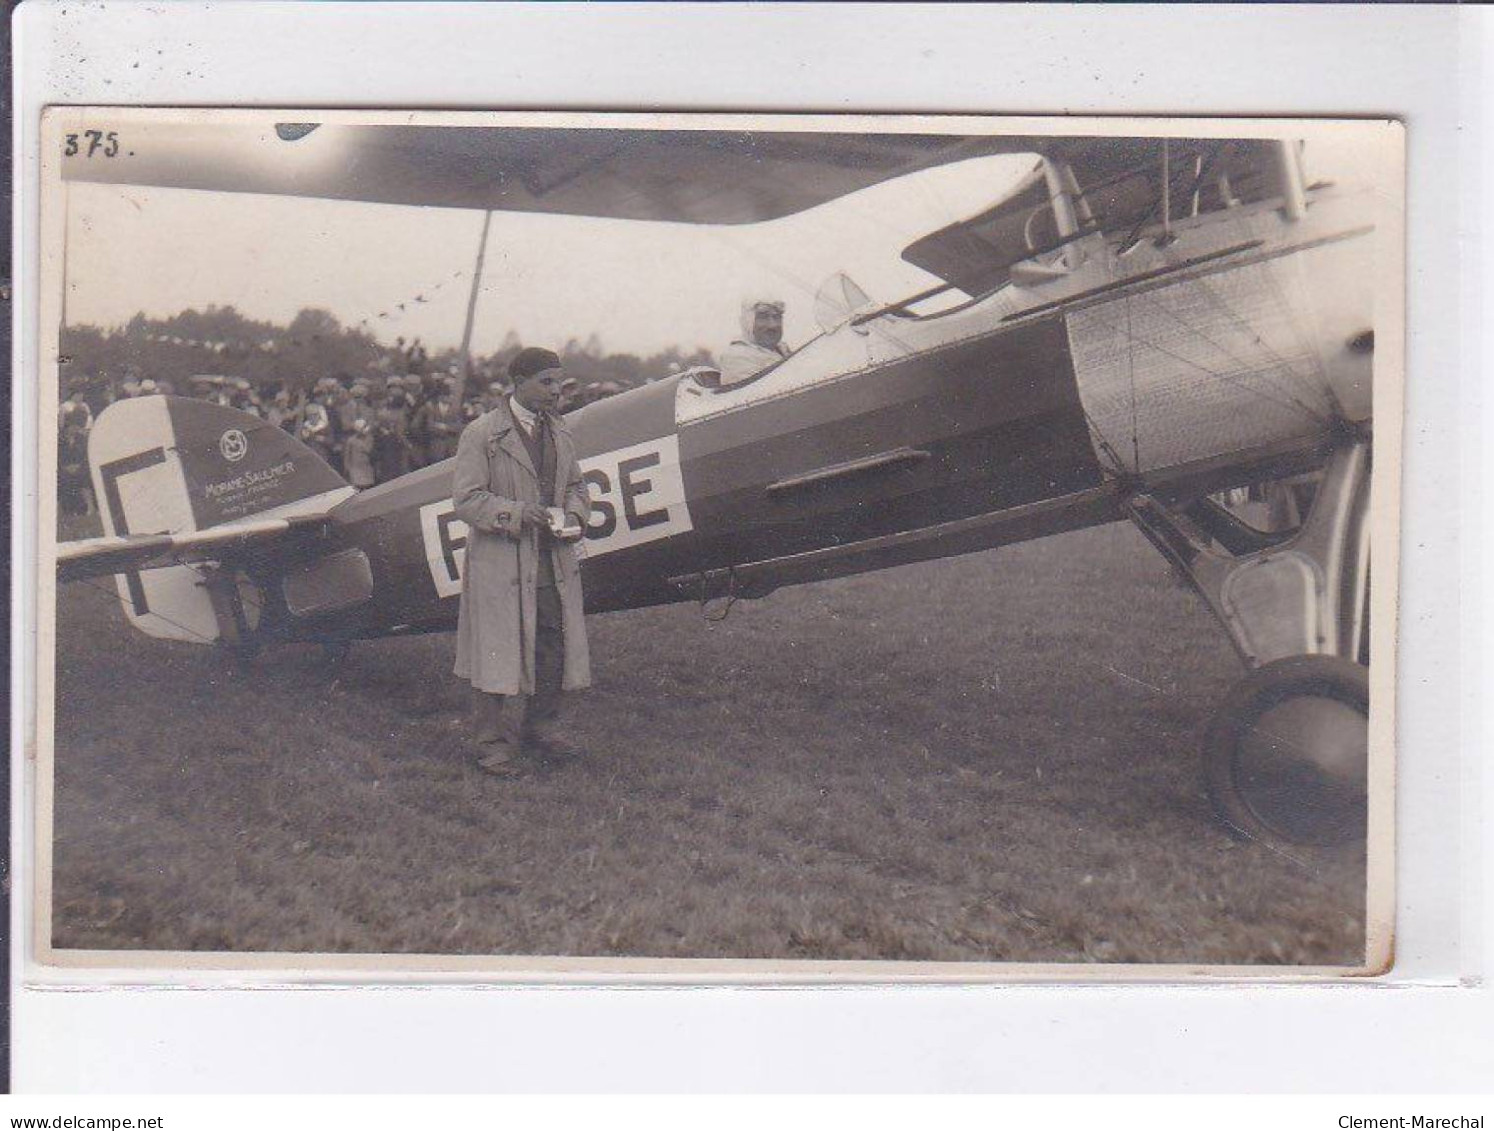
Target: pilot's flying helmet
{"points": [[750, 307]]}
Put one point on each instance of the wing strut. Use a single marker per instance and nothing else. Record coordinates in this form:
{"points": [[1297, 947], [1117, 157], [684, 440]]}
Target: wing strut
{"points": [[464, 371]]}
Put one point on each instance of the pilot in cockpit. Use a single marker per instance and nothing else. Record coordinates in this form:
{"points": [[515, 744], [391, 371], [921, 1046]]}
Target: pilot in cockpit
{"points": [[760, 346]]}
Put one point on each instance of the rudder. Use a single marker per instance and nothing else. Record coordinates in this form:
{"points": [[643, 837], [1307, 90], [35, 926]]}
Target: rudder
{"points": [[169, 465]]}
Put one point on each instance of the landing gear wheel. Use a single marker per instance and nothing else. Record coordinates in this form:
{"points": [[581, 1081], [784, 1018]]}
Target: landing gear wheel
{"points": [[1285, 757]]}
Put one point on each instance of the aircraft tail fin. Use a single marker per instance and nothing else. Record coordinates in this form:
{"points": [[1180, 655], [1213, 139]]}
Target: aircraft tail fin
{"points": [[173, 465]]}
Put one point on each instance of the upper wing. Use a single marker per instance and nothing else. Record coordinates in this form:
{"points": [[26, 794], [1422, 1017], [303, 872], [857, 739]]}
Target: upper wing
{"points": [[681, 175]]}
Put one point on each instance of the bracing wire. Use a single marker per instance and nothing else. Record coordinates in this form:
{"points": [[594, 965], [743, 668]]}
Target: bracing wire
{"points": [[1290, 403], [1280, 362]]}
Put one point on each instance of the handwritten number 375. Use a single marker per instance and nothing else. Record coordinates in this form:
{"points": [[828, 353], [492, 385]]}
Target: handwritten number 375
{"points": [[92, 142]]}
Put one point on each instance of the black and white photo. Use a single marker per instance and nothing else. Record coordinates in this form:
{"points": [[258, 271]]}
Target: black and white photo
{"points": [[719, 545]]}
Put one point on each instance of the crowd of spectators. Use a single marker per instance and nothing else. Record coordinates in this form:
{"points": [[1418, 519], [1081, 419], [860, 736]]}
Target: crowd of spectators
{"points": [[371, 429]]}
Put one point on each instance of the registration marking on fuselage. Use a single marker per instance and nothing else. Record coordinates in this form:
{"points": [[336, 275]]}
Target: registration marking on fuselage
{"points": [[637, 496]]}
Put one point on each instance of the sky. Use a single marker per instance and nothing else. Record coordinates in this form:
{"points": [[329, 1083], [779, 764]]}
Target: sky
{"points": [[641, 287]]}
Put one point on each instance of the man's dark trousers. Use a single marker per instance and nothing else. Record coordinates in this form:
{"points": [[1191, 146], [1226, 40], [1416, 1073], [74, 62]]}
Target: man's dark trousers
{"points": [[510, 727]]}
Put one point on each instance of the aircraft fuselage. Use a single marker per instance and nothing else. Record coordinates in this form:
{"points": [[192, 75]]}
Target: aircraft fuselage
{"points": [[1034, 410]]}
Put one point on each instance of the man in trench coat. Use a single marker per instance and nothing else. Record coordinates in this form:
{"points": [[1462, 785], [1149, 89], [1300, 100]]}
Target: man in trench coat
{"points": [[521, 631]]}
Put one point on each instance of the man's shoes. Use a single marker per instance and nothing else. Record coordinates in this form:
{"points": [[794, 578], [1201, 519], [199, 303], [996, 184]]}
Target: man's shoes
{"points": [[500, 761], [553, 750]]}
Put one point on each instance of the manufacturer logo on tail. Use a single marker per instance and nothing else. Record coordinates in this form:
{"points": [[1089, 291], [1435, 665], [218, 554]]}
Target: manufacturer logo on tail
{"points": [[234, 445]]}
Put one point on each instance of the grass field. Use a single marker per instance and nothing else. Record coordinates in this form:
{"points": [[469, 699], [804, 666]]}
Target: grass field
{"points": [[986, 758]]}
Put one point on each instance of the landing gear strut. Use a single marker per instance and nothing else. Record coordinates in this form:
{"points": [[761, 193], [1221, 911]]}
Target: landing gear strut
{"points": [[1285, 756]]}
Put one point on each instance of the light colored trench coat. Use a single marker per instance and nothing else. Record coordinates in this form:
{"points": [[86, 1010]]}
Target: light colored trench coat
{"points": [[494, 477]]}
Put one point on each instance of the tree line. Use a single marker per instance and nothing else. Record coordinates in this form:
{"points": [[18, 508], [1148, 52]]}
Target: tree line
{"points": [[221, 341]]}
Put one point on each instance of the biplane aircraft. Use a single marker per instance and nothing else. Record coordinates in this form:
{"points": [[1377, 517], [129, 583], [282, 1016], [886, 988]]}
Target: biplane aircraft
{"points": [[1137, 328]]}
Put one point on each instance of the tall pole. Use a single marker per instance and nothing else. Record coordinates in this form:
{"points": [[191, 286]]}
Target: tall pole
{"points": [[464, 374]]}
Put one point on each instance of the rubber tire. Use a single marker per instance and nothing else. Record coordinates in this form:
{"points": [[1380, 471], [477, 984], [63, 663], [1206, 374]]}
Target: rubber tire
{"points": [[1330, 677]]}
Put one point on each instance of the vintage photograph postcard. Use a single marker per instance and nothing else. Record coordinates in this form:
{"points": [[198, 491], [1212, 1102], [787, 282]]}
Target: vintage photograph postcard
{"points": [[710, 547]]}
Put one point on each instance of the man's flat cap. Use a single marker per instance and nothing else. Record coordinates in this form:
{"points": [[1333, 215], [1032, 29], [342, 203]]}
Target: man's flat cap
{"points": [[531, 360]]}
